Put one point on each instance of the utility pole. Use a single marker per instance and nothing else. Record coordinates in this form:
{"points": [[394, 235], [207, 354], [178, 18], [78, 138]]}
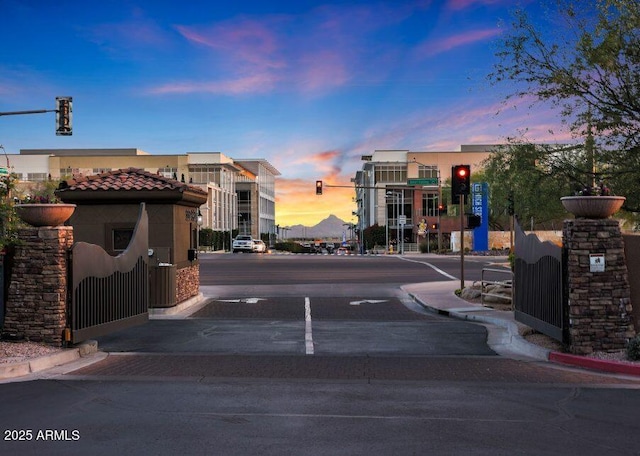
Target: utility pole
{"points": [[462, 242]]}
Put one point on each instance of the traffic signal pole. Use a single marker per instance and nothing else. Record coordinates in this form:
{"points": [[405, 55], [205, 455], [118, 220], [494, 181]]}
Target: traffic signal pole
{"points": [[461, 242], [35, 111], [460, 187], [63, 114]]}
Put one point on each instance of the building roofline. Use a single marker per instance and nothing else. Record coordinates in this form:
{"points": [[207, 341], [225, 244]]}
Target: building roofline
{"points": [[272, 169]]}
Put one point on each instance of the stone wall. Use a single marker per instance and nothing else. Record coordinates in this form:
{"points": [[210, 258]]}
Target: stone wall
{"points": [[36, 303], [187, 282], [599, 301]]}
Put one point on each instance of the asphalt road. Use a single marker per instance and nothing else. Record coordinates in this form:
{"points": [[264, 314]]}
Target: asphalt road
{"points": [[259, 269], [316, 356]]}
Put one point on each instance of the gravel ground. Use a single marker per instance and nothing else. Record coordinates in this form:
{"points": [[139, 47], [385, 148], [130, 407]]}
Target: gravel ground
{"points": [[11, 352]]}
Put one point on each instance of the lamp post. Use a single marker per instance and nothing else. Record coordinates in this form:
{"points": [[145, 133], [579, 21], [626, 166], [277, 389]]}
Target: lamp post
{"points": [[438, 205], [199, 224], [396, 197]]}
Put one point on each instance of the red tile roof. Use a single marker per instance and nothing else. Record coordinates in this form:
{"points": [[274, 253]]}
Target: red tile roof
{"points": [[127, 179]]}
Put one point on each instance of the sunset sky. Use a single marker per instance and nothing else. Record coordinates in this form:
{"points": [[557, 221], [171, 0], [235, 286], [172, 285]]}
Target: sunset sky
{"points": [[311, 86]]}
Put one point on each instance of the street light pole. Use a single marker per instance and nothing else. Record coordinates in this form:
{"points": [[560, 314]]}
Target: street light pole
{"points": [[396, 204], [199, 224], [403, 217]]}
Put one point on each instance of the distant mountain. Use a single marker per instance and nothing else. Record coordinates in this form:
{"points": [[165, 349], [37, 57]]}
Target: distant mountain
{"points": [[331, 227]]}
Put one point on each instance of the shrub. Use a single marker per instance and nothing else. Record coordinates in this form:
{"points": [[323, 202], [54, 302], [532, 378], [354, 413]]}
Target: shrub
{"points": [[633, 349]]}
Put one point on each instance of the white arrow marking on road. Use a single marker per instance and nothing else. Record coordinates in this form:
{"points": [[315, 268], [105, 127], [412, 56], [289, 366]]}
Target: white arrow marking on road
{"points": [[365, 301], [246, 300]]}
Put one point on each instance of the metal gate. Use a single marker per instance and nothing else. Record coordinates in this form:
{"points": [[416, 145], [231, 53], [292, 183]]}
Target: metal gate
{"points": [[539, 298], [109, 293]]}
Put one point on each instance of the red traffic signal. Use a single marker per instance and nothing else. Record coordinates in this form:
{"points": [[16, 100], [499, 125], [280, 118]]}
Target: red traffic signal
{"points": [[318, 187], [461, 180]]}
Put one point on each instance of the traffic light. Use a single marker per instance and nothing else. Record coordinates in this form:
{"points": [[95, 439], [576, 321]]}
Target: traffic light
{"points": [[461, 180], [318, 187], [64, 108], [474, 221], [442, 209]]}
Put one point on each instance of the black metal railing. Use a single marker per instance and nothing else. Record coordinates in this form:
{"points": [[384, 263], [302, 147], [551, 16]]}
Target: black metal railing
{"points": [[539, 298]]}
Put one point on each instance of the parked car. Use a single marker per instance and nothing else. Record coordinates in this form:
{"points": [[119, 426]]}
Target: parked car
{"points": [[243, 243], [259, 246], [342, 251]]}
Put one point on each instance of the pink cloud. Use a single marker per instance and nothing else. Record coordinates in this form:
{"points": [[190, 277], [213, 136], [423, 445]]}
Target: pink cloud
{"points": [[324, 164], [434, 47], [326, 69], [133, 35], [251, 84], [310, 53], [246, 42]]}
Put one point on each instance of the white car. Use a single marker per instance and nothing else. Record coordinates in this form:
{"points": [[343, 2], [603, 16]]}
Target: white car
{"points": [[243, 243], [259, 246]]}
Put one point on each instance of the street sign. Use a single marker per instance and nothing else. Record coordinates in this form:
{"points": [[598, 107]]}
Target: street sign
{"points": [[597, 262], [4, 171], [480, 207], [402, 220], [423, 181]]}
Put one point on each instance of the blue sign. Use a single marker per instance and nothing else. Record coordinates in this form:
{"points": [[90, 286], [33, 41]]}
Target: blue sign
{"points": [[480, 206]]}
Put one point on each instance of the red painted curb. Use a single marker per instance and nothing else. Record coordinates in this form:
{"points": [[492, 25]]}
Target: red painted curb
{"points": [[596, 364]]}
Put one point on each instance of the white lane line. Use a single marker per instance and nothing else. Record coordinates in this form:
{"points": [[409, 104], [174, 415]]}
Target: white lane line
{"points": [[449, 276], [308, 336]]}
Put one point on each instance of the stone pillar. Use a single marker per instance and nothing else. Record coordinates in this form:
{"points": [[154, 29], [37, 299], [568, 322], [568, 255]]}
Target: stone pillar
{"points": [[187, 282], [599, 300], [37, 302]]}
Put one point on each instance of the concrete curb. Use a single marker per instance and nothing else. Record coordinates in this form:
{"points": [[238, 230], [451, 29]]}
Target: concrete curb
{"points": [[516, 341], [188, 306], [48, 361], [616, 367], [512, 338]]}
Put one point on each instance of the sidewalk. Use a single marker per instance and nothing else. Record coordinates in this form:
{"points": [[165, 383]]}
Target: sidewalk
{"points": [[503, 331]]}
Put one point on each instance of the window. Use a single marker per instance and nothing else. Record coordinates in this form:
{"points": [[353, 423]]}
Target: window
{"points": [[427, 171], [69, 172], [171, 173], [101, 170], [37, 177], [121, 238], [391, 173], [429, 205], [205, 174]]}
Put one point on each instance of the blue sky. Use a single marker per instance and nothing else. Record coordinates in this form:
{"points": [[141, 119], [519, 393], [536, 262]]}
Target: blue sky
{"points": [[308, 85]]}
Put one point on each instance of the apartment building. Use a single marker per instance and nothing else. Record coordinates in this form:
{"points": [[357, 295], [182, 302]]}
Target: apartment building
{"points": [[403, 189], [241, 193]]}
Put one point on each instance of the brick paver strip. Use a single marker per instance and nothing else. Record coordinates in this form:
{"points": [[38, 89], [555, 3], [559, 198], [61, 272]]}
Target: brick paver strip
{"points": [[340, 368]]}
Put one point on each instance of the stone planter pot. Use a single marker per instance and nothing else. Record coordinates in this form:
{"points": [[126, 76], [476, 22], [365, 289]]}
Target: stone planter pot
{"points": [[593, 207], [45, 214]]}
